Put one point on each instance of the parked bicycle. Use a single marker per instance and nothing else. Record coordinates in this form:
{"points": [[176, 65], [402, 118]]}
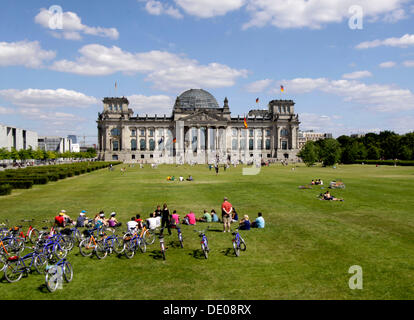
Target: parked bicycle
{"points": [[238, 243], [204, 242], [108, 245], [32, 234], [132, 243], [56, 273], [16, 266]]}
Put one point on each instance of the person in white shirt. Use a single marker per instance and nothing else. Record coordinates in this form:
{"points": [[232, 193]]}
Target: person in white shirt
{"points": [[132, 225]]}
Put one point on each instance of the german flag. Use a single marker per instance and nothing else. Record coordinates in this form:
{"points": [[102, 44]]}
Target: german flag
{"points": [[257, 100], [245, 123], [282, 89], [175, 140]]}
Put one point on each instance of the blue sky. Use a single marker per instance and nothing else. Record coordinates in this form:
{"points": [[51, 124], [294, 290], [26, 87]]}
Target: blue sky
{"points": [[343, 80]]}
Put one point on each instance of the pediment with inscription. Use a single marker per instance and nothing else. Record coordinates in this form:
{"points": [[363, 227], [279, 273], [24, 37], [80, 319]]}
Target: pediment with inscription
{"points": [[203, 117]]}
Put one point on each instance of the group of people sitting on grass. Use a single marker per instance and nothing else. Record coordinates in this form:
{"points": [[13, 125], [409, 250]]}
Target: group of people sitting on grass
{"points": [[181, 178], [317, 182], [327, 196], [163, 218]]}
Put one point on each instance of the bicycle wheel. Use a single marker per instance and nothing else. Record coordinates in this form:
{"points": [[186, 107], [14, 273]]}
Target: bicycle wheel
{"points": [[40, 262], [236, 248], [180, 238], [205, 250], [52, 279], [33, 236], [12, 271], [76, 237], [67, 271], [67, 242], [59, 252], [3, 261], [86, 248], [118, 246], [100, 250], [142, 245], [129, 249], [149, 237], [242, 244]]}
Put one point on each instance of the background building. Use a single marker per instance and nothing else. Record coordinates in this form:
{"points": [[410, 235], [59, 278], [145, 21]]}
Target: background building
{"points": [[11, 137], [198, 131], [310, 135], [55, 144]]}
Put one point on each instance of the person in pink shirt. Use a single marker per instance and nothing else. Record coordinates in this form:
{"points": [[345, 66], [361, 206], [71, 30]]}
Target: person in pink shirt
{"points": [[190, 218], [175, 218]]}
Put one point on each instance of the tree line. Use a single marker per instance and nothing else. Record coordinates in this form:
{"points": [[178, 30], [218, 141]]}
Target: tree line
{"points": [[30, 154], [386, 145]]}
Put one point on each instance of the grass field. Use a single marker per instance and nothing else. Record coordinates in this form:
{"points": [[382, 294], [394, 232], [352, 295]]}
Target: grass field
{"points": [[304, 252]]}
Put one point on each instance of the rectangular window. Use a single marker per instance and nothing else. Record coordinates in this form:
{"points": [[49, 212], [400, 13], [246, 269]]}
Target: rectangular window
{"points": [[115, 145], [142, 132], [133, 132], [268, 144], [284, 145]]}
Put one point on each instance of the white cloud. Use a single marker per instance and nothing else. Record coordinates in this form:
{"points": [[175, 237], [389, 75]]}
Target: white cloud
{"points": [[318, 123], [382, 98], [259, 86], [357, 75], [315, 14], [73, 27], [157, 8], [409, 63], [35, 98], [209, 8], [166, 70], [4, 110], [403, 42], [387, 64], [24, 53], [159, 104]]}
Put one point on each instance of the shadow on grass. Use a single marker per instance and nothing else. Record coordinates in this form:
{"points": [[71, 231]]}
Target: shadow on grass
{"points": [[156, 254], [43, 288]]}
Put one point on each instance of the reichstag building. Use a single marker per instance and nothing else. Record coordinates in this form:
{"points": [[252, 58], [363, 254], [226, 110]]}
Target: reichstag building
{"points": [[199, 131]]}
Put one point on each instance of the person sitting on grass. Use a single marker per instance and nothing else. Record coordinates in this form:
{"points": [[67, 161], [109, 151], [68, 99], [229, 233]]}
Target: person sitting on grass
{"points": [[327, 196], [60, 220], [214, 217], [113, 222], [132, 225], [206, 217], [190, 219], [139, 221], [81, 221], [190, 178], [235, 216], [259, 222], [245, 223], [175, 219]]}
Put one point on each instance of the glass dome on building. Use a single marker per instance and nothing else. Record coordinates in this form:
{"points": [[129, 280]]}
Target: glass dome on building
{"points": [[197, 99]]}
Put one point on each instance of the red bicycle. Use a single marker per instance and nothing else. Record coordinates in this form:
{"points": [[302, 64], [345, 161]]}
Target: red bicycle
{"points": [[32, 233]]}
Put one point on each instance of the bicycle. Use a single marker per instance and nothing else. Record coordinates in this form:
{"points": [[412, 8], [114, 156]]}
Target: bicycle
{"points": [[148, 235], [15, 266], [32, 234], [55, 273], [180, 236], [162, 245], [88, 245], [204, 242], [107, 245], [238, 243], [131, 244]]}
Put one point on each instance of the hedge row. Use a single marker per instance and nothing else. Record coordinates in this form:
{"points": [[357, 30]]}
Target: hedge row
{"points": [[387, 162], [27, 177], [5, 189]]}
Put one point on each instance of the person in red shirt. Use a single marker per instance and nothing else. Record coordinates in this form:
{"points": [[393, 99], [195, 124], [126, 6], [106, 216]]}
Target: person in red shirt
{"points": [[226, 210], [60, 220]]}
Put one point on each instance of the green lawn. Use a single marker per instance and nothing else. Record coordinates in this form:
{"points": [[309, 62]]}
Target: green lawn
{"points": [[304, 252]]}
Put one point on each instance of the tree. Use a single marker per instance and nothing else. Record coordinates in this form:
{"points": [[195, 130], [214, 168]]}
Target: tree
{"points": [[330, 152], [309, 153], [4, 154]]}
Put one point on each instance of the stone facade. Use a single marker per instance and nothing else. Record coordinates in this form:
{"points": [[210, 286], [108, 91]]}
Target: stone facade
{"points": [[198, 131]]}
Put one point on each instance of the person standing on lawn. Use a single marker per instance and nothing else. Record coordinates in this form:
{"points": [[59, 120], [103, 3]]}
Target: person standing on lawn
{"points": [[226, 214]]}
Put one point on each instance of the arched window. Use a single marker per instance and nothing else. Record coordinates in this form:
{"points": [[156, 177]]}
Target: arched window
{"points": [[133, 145], [142, 145], [284, 132], [115, 132]]}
